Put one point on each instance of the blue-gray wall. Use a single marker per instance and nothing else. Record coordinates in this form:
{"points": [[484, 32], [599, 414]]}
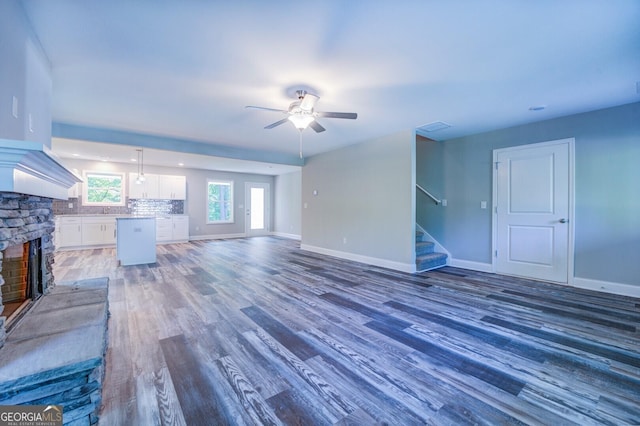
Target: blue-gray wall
{"points": [[364, 208], [607, 189], [287, 204]]}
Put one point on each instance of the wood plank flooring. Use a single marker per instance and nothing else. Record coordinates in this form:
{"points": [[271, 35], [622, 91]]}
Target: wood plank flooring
{"points": [[256, 331]]}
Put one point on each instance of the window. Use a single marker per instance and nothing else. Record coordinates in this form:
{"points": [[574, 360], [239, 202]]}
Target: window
{"points": [[103, 189], [219, 202]]}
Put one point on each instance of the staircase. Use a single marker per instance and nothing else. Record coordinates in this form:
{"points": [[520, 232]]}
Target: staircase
{"points": [[426, 258]]}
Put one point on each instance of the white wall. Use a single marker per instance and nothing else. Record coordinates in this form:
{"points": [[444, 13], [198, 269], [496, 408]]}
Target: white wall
{"points": [[288, 204], [25, 73], [364, 207]]}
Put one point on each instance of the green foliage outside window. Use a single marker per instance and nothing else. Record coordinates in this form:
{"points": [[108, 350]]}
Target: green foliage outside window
{"points": [[104, 189], [219, 202]]}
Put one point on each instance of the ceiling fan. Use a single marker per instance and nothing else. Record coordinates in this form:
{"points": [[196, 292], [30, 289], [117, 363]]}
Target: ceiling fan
{"points": [[302, 113]]}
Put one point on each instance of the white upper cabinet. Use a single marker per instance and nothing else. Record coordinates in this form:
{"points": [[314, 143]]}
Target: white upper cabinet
{"points": [[158, 187], [172, 187], [146, 189]]}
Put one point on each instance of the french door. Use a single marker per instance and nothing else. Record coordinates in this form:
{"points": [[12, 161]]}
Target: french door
{"points": [[532, 210], [257, 202]]}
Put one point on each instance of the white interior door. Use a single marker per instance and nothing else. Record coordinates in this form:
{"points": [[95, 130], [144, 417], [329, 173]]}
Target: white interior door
{"points": [[532, 196], [257, 196]]}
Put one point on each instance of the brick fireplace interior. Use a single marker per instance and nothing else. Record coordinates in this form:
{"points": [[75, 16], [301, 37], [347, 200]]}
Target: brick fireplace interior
{"points": [[23, 278]]}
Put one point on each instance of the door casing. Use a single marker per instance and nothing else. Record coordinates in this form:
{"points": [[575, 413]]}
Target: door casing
{"points": [[571, 194]]}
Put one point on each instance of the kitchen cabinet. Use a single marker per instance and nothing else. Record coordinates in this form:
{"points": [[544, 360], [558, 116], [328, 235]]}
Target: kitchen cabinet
{"points": [[172, 228], [68, 232], [74, 191], [164, 229], [148, 189], [158, 187], [98, 231], [172, 187], [180, 228]]}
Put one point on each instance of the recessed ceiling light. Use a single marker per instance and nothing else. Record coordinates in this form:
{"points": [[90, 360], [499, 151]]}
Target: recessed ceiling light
{"points": [[537, 107], [180, 164], [134, 160], [76, 155]]}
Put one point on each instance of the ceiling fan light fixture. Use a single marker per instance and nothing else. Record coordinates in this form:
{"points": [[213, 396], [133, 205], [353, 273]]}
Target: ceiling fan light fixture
{"points": [[301, 121]]}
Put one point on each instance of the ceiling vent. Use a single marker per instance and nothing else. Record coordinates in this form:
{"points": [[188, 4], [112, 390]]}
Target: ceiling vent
{"points": [[433, 127]]}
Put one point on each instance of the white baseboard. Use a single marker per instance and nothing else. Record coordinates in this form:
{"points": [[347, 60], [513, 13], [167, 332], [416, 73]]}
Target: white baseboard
{"points": [[285, 235], [384, 263], [583, 283], [467, 264], [215, 237], [607, 287]]}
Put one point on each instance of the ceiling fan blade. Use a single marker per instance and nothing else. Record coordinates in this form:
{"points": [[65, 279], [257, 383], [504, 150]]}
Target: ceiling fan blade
{"points": [[277, 123], [316, 126], [349, 115], [266, 109], [308, 101]]}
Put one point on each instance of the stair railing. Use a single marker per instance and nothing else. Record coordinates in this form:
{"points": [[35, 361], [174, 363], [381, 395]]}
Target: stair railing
{"points": [[435, 200]]}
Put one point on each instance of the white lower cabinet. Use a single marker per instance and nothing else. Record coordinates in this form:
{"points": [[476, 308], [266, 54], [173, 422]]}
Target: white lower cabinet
{"points": [[98, 231], [68, 232], [164, 229], [172, 228], [90, 231]]}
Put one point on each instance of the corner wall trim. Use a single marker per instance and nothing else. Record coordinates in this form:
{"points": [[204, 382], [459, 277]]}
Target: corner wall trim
{"points": [[384, 263]]}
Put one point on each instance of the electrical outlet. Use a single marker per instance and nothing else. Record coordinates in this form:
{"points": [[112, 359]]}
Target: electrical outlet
{"points": [[444, 203], [344, 240], [483, 204]]}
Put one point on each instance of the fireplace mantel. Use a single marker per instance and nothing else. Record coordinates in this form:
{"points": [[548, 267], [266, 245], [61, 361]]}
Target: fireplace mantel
{"points": [[31, 168]]}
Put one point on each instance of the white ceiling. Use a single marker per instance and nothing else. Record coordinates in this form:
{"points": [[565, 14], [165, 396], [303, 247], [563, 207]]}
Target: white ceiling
{"points": [[186, 69]]}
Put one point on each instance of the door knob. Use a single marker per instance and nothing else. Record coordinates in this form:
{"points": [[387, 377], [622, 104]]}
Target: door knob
{"points": [[563, 220]]}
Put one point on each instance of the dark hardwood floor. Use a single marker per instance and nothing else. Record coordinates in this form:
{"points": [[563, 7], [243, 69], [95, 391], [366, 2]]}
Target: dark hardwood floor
{"points": [[256, 331]]}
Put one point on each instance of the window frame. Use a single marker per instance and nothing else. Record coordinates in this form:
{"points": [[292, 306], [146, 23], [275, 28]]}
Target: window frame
{"points": [[85, 188], [230, 183]]}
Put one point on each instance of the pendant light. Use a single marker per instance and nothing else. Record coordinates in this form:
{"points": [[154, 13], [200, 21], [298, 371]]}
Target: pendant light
{"points": [[140, 179]]}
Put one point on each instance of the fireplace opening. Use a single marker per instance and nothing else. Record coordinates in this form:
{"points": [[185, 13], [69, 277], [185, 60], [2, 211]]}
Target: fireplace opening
{"points": [[22, 271]]}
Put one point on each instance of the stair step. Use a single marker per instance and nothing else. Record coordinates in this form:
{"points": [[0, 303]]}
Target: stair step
{"points": [[419, 236], [430, 261], [424, 247]]}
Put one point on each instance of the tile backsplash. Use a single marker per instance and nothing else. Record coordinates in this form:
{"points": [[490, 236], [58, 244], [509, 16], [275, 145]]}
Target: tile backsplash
{"points": [[134, 206]]}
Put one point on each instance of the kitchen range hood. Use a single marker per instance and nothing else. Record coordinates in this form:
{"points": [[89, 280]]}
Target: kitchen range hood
{"points": [[31, 168]]}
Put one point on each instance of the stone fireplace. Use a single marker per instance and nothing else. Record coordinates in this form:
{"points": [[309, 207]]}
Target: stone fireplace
{"points": [[26, 254], [52, 338], [30, 179]]}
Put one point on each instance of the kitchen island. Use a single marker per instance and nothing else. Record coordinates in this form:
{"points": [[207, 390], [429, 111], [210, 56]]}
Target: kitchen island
{"points": [[135, 240]]}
